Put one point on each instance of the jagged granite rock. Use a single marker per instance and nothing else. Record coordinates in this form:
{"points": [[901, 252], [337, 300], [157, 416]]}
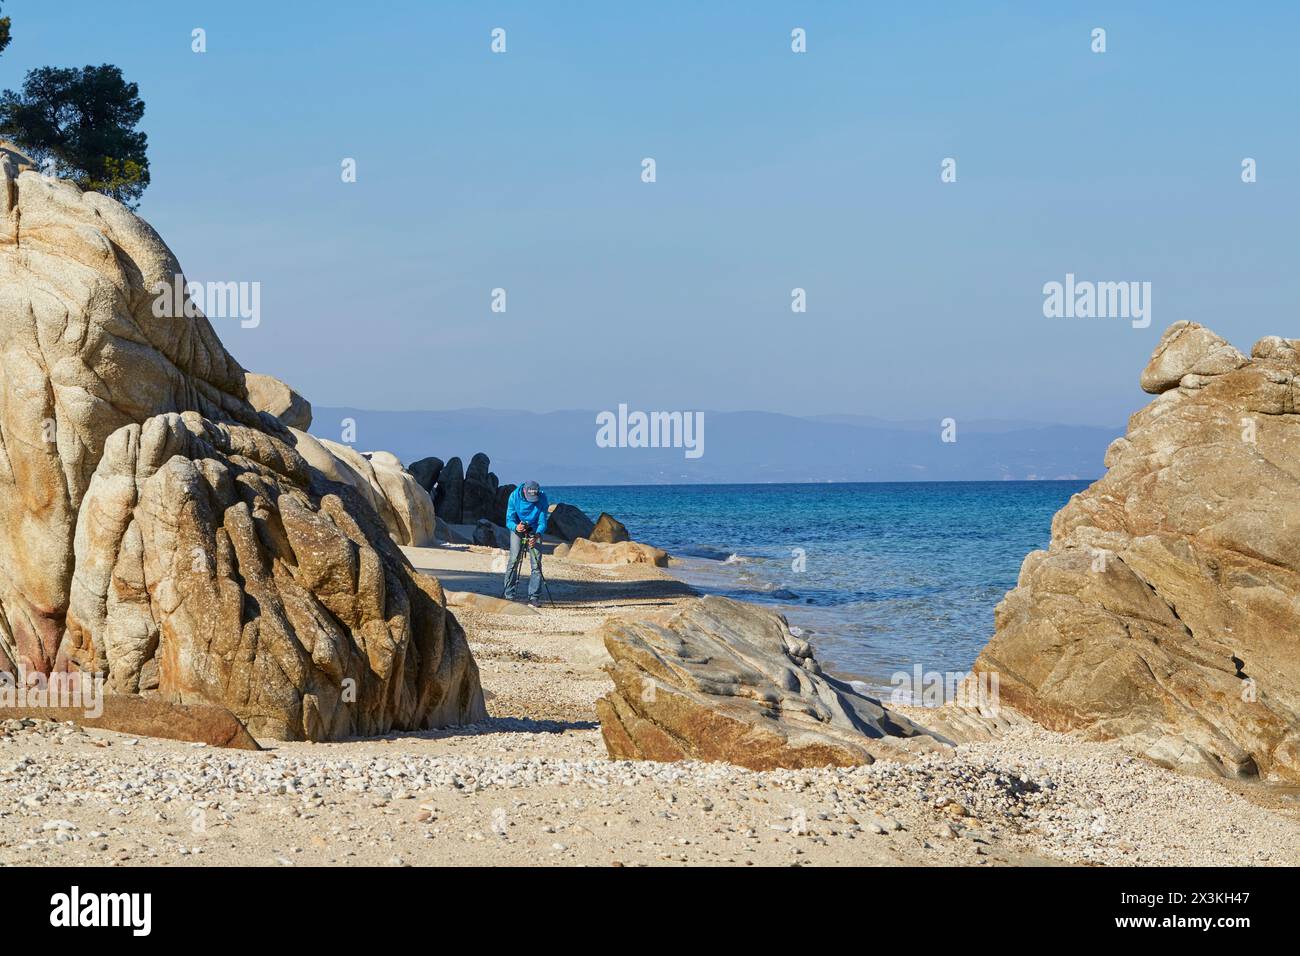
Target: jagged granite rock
{"points": [[609, 530], [1166, 610], [404, 507], [158, 529], [726, 681]]}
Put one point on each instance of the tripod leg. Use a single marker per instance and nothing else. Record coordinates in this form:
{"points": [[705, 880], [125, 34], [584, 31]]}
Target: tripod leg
{"points": [[535, 567], [513, 574]]}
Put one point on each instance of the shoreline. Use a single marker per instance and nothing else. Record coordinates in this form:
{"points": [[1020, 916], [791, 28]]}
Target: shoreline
{"points": [[533, 785]]}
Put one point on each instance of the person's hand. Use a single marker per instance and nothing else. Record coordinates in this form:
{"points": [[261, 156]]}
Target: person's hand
{"points": [[520, 528]]}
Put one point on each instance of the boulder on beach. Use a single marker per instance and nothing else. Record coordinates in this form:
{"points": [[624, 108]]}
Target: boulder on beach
{"points": [[448, 495], [498, 515], [447, 534], [270, 395], [726, 681], [208, 724], [624, 552], [1164, 613], [608, 530], [425, 472], [485, 534], [478, 499], [568, 523], [158, 529]]}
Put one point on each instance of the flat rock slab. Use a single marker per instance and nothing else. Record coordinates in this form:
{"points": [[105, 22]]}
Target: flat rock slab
{"points": [[726, 681], [143, 717], [489, 605], [622, 552]]}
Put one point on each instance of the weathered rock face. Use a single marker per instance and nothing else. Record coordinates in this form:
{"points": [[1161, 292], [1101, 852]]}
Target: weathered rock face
{"points": [[411, 504], [727, 681], [624, 552], [567, 522], [609, 530], [1166, 611], [404, 507], [272, 396], [157, 528]]}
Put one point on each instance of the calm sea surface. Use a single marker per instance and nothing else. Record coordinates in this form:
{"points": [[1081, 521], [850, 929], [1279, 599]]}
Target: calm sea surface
{"points": [[881, 576]]}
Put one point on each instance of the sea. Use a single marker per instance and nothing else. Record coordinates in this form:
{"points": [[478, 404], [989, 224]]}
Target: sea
{"points": [[883, 578]]}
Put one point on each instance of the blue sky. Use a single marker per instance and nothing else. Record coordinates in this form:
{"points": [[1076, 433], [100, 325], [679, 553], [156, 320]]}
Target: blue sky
{"points": [[775, 170]]}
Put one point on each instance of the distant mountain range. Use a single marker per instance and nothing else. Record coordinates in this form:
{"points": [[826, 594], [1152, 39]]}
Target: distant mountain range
{"points": [[560, 447]]}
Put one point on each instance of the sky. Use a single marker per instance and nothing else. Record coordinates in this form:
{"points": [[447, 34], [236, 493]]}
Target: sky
{"points": [[775, 170]]}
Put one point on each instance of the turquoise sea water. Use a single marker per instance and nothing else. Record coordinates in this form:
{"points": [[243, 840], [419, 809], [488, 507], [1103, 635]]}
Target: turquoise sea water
{"points": [[893, 575]]}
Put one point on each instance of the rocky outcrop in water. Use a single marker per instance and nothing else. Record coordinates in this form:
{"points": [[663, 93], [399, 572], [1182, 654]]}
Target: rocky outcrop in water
{"points": [[1165, 611], [609, 530], [568, 523]]}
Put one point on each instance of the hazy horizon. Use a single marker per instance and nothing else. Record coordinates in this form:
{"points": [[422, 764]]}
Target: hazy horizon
{"points": [[775, 170]]}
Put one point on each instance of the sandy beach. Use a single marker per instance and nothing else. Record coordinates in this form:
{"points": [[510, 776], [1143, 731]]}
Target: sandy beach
{"points": [[532, 785]]}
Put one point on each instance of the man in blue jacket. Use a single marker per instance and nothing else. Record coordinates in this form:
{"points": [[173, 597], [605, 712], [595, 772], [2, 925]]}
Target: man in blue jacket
{"points": [[526, 514]]}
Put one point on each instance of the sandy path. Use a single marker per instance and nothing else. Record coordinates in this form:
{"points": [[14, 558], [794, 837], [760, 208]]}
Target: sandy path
{"points": [[533, 784]]}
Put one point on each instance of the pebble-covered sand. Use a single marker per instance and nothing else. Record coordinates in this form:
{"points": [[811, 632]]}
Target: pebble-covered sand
{"points": [[532, 785]]}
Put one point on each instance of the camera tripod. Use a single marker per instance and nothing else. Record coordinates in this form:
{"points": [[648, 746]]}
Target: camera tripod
{"points": [[531, 541]]}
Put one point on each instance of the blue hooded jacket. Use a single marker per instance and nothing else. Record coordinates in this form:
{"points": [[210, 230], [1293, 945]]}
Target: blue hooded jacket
{"points": [[532, 513]]}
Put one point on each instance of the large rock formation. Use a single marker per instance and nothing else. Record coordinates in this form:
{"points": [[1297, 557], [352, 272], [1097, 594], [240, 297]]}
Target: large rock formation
{"points": [[727, 681], [463, 496], [157, 528], [1166, 611], [478, 500], [403, 506]]}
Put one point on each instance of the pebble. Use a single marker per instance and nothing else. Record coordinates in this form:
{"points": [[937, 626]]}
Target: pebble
{"points": [[1041, 792]]}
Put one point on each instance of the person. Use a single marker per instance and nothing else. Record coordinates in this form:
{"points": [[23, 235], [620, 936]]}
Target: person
{"points": [[526, 514]]}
